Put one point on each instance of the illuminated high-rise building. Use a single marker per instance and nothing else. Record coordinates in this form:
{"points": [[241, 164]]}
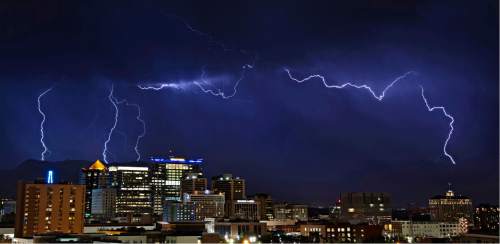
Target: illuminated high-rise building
{"points": [[193, 182], [93, 177], [450, 207], [207, 204], [166, 176], [233, 189], [133, 192], [266, 207], [45, 207], [246, 210]]}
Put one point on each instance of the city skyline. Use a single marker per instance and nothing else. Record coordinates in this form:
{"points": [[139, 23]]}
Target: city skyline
{"points": [[77, 76]]}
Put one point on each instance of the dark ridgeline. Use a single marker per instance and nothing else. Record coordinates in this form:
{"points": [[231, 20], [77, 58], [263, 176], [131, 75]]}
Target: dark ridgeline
{"points": [[67, 170]]}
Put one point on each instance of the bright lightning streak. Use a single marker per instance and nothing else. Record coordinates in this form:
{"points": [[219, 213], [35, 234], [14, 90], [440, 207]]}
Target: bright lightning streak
{"points": [[143, 133], [220, 93], [452, 120], [349, 84], [203, 82], [42, 133], [113, 101], [381, 96], [160, 86]]}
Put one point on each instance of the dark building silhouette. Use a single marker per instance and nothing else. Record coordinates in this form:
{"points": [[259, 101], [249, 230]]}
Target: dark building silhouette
{"points": [[93, 177]]}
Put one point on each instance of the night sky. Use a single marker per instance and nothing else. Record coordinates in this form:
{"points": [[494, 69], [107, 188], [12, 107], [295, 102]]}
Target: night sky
{"points": [[298, 142]]}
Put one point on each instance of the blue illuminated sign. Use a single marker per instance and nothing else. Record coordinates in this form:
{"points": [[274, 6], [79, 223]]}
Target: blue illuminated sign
{"points": [[50, 177]]}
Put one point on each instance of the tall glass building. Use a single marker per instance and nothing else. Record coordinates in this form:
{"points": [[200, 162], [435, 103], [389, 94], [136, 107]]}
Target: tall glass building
{"points": [[166, 176], [93, 177], [133, 191]]}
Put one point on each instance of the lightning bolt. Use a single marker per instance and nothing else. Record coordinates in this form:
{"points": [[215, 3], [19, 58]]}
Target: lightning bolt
{"points": [[113, 101], [446, 114], [42, 132], [161, 86], [219, 92], [381, 96], [143, 123], [202, 82]]}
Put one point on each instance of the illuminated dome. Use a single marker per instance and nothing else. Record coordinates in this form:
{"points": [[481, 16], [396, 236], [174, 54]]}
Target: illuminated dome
{"points": [[98, 165]]}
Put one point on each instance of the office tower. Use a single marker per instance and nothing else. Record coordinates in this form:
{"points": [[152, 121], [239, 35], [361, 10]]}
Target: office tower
{"points": [[176, 211], [193, 182], [103, 203], [195, 207], [166, 175], [450, 207], [133, 192], [44, 208], [93, 177], [372, 206], [245, 210], [486, 218], [233, 189], [286, 211], [207, 204], [265, 203]]}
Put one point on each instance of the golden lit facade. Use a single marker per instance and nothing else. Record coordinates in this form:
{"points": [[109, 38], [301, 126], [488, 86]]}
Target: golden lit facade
{"points": [[450, 207]]}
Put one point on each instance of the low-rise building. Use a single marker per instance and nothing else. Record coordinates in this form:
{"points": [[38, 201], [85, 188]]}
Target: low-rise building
{"points": [[246, 210], [411, 229], [239, 231], [284, 211]]}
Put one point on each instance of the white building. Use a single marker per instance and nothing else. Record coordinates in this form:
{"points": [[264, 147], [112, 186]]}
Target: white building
{"points": [[410, 229]]}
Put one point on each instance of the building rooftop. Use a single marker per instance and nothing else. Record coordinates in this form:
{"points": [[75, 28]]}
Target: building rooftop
{"points": [[178, 160], [98, 165]]}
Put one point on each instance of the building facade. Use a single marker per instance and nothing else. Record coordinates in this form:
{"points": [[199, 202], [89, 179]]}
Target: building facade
{"points": [[44, 208], [103, 203], [286, 211], [450, 207], [93, 177], [265, 204], [207, 204], [323, 231], [246, 210], [413, 229], [133, 192], [375, 207], [236, 231], [166, 176], [232, 187], [486, 218], [193, 182], [176, 211]]}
